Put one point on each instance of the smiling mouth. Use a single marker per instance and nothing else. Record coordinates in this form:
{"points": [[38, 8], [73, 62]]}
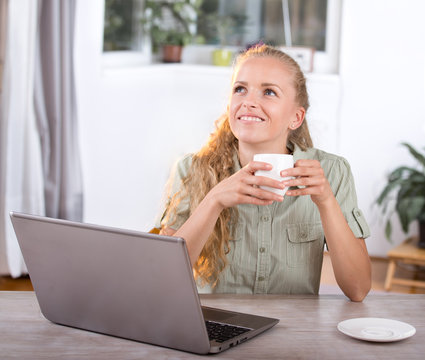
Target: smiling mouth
{"points": [[251, 118]]}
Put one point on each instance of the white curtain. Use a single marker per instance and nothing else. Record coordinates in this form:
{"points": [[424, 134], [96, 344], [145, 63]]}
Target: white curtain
{"points": [[21, 174], [40, 170], [56, 109]]}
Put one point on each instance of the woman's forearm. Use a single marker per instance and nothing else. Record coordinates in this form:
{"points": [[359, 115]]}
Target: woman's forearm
{"points": [[349, 256], [236, 189], [199, 226]]}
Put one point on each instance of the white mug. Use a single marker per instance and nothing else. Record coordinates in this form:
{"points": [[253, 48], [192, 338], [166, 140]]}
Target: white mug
{"points": [[279, 162]]}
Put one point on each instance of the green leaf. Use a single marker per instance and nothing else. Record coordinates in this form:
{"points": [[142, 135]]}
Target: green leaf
{"points": [[409, 209], [396, 174], [416, 205], [417, 178], [416, 154], [401, 208], [391, 186], [388, 230], [404, 172]]}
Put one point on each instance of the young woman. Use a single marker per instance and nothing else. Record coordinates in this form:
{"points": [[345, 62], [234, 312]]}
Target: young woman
{"points": [[243, 239]]}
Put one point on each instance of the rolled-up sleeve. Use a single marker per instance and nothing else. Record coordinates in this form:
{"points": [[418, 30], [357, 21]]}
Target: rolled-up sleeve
{"points": [[345, 193]]}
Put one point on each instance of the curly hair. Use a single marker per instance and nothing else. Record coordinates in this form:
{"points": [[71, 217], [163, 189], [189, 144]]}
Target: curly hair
{"points": [[215, 162]]}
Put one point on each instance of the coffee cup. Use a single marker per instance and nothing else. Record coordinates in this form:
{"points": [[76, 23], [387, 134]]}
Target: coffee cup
{"points": [[279, 162]]}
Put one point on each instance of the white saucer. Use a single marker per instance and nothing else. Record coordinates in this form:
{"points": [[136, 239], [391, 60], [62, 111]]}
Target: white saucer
{"points": [[376, 329]]}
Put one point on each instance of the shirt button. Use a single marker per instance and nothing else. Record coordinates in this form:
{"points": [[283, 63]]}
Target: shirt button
{"points": [[262, 249], [357, 213], [261, 278], [303, 235], [265, 218]]}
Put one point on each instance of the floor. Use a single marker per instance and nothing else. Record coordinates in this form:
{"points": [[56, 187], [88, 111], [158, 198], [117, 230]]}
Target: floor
{"points": [[328, 283]]}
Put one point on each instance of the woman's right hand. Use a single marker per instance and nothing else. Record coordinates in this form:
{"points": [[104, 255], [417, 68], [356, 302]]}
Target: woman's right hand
{"points": [[243, 187], [240, 188]]}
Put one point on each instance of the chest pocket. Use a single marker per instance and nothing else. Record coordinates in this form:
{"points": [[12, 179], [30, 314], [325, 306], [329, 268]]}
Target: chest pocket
{"points": [[305, 244]]}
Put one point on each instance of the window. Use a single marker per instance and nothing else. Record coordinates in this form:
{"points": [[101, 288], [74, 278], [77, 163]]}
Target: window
{"points": [[276, 22], [240, 23], [122, 25], [123, 37]]}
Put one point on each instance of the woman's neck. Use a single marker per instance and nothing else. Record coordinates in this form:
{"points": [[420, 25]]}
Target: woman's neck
{"points": [[246, 153]]}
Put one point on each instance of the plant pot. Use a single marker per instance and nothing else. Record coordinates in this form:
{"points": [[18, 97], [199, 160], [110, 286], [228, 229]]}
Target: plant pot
{"points": [[171, 53], [222, 57], [421, 242]]}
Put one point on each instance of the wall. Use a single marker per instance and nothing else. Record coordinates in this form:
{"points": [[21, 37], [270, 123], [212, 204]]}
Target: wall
{"points": [[383, 97], [135, 122]]}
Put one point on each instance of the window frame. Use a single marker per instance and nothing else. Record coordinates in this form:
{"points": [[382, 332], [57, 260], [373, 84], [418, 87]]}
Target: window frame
{"points": [[327, 62]]}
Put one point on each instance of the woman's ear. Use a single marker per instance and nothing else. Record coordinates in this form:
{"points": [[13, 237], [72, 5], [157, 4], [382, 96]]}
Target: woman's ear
{"points": [[298, 118]]}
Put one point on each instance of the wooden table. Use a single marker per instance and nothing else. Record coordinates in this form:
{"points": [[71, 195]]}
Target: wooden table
{"points": [[307, 330], [405, 253]]}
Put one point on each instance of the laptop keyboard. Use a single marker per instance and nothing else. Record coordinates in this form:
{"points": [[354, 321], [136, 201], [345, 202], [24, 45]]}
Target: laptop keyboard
{"points": [[222, 332]]}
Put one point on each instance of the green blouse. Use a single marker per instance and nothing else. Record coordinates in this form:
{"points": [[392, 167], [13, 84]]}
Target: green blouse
{"points": [[279, 248]]}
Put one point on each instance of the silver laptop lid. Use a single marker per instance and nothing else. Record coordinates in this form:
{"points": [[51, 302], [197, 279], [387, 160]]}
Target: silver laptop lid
{"points": [[118, 282]]}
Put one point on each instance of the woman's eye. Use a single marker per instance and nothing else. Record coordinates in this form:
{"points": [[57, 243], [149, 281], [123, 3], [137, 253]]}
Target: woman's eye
{"points": [[239, 89], [269, 92]]}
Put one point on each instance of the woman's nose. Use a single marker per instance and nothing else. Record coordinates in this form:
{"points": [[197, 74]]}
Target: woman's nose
{"points": [[250, 102]]}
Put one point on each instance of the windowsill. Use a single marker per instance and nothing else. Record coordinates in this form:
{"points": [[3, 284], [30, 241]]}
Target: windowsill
{"points": [[154, 68], [197, 58]]}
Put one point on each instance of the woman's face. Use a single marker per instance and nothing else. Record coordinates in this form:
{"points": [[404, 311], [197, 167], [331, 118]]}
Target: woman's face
{"points": [[262, 107]]}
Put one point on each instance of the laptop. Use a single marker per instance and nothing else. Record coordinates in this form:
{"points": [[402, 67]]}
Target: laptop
{"points": [[124, 283]]}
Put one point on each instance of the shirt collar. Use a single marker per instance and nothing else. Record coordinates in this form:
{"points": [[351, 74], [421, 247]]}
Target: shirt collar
{"points": [[294, 148], [296, 152], [236, 163]]}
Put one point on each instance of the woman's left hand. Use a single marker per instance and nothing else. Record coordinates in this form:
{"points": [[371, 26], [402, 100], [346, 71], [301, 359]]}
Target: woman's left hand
{"points": [[310, 175]]}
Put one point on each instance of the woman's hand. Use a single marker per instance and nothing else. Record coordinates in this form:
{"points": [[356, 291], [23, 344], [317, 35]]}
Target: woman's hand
{"points": [[243, 187], [240, 188], [310, 175]]}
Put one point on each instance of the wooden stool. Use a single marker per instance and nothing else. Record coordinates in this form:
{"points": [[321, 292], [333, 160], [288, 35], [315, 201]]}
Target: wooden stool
{"points": [[406, 253]]}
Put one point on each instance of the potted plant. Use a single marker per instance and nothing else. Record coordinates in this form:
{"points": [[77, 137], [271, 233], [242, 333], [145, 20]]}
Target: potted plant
{"points": [[168, 23], [408, 186], [220, 27], [224, 24]]}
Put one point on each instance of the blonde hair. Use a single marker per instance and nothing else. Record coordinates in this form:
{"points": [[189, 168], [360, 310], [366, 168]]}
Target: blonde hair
{"points": [[215, 162]]}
